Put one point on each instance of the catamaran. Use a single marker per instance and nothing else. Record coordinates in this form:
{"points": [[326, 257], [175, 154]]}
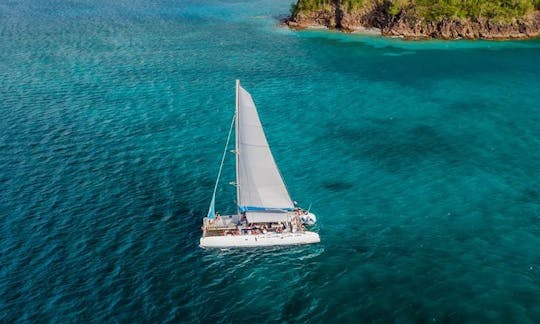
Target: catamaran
{"points": [[266, 214]]}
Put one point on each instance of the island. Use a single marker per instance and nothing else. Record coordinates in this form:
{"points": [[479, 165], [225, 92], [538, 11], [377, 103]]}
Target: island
{"points": [[421, 19]]}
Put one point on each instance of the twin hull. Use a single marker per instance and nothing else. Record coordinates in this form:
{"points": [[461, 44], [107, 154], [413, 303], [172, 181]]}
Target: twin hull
{"points": [[268, 239]]}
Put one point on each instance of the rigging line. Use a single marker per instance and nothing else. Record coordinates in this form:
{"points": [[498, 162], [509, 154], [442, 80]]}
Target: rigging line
{"points": [[210, 210]]}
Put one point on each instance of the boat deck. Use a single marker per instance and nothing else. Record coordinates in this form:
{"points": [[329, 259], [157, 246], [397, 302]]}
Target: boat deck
{"points": [[230, 225]]}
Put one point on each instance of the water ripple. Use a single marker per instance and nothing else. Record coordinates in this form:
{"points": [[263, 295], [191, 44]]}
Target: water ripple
{"points": [[421, 166]]}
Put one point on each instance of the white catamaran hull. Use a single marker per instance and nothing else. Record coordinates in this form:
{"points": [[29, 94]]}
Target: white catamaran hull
{"points": [[268, 239]]}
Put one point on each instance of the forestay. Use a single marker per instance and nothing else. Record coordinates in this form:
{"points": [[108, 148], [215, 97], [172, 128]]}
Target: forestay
{"points": [[261, 186]]}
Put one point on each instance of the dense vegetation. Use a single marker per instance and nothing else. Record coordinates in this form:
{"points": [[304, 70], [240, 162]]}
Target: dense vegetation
{"points": [[433, 10]]}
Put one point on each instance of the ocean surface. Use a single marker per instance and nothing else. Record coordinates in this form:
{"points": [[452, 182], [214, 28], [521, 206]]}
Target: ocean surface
{"points": [[421, 160]]}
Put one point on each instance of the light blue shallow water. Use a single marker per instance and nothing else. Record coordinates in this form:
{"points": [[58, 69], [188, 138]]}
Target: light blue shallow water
{"points": [[420, 159]]}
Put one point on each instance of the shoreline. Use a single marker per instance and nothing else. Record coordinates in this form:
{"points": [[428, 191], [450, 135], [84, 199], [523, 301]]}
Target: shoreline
{"points": [[370, 31], [416, 29], [373, 31]]}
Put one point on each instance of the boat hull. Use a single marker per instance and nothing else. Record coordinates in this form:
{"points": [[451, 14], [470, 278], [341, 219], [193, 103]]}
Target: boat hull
{"points": [[269, 239]]}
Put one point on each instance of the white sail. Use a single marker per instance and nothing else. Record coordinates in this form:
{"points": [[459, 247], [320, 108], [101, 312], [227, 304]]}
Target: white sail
{"points": [[260, 185]]}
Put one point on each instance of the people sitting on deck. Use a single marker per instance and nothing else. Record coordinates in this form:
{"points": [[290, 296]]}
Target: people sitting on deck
{"points": [[215, 219], [231, 233]]}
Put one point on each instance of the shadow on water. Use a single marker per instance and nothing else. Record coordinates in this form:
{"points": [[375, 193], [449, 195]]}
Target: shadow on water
{"points": [[336, 186], [396, 146]]}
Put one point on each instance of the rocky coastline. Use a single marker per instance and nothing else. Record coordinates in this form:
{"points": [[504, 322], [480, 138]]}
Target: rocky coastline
{"points": [[404, 25]]}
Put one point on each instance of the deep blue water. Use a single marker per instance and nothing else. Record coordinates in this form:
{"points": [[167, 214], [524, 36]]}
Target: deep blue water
{"points": [[421, 160]]}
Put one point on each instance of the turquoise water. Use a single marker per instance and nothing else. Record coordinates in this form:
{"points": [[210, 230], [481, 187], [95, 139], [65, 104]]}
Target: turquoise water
{"points": [[419, 158]]}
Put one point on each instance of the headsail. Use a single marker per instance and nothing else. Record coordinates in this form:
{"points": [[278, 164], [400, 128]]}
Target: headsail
{"points": [[212, 209], [261, 187]]}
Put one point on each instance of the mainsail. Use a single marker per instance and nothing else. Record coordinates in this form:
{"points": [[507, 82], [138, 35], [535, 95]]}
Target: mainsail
{"points": [[260, 185]]}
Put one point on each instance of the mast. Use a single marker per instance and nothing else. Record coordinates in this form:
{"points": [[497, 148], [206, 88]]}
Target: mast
{"points": [[236, 152]]}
